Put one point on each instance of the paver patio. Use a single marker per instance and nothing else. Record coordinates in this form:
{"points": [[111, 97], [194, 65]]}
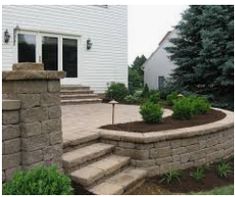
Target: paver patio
{"points": [[80, 120]]}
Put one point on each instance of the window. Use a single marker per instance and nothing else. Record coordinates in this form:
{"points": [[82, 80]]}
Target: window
{"points": [[26, 48], [70, 57], [161, 82], [50, 53]]}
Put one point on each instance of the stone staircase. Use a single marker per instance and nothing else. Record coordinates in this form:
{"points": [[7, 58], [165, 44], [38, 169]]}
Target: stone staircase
{"points": [[77, 94], [96, 167]]}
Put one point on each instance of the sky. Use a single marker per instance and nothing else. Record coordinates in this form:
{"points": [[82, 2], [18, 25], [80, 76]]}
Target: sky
{"points": [[147, 25]]}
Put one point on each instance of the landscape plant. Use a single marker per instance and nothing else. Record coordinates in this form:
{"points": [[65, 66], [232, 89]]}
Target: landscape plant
{"points": [[171, 98], [172, 176], [200, 105], [223, 169], [116, 91], [40, 180], [151, 112], [198, 174], [154, 97], [183, 109]]}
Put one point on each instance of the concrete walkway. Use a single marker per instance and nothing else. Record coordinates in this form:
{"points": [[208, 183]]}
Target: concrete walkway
{"points": [[79, 120]]}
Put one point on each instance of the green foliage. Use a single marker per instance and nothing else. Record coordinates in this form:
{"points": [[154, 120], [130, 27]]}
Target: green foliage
{"points": [[136, 74], [41, 180], [129, 99], [171, 177], [200, 105], [145, 92], [225, 190], [199, 174], [172, 97], [116, 91], [154, 98], [203, 52], [151, 112], [223, 169], [183, 109]]}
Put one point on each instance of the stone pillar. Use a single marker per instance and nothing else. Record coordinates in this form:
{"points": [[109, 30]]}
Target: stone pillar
{"points": [[40, 114], [11, 150]]}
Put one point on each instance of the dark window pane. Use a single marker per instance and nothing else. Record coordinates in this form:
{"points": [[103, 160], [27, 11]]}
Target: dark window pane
{"points": [[50, 53], [26, 48], [70, 57], [161, 82]]}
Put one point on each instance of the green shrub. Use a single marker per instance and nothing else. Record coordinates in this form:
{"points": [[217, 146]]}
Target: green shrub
{"points": [[154, 98], [183, 109], [200, 105], [223, 169], [171, 98], [41, 180], [116, 91], [171, 177], [131, 99], [151, 112], [145, 92], [199, 174]]}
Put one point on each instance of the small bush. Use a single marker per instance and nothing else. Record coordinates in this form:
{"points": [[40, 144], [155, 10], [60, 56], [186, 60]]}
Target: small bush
{"points": [[41, 180], [171, 177], [145, 92], [200, 105], [183, 109], [151, 112], [223, 169], [171, 98], [154, 98], [131, 99], [199, 174], [116, 91]]}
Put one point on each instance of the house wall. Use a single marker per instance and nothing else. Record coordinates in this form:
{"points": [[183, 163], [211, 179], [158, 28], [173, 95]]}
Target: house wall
{"points": [[106, 27], [158, 64]]}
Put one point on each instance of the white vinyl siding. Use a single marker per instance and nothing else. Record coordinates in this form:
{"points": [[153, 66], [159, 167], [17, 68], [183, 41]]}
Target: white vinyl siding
{"points": [[106, 27]]}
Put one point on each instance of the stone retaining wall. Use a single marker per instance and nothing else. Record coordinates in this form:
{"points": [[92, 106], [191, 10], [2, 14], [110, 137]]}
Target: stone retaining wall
{"points": [[39, 115], [160, 152]]}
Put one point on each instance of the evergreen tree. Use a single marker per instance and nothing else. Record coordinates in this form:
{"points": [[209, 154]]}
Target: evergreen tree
{"points": [[204, 51], [136, 74]]}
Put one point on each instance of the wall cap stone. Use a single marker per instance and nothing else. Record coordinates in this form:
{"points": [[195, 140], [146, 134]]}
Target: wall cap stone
{"points": [[28, 66], [8, 105], [31, 75], [225, 123]]}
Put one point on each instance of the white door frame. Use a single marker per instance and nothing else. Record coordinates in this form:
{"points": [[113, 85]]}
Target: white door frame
{"points": [[38, 50]]}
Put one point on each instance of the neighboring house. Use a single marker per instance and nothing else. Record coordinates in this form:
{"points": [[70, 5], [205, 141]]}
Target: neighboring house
{"points": [[88, 42], [158, 66]]}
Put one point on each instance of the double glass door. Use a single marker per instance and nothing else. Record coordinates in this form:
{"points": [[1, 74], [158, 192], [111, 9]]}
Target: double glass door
{"points": [[56, 52]]}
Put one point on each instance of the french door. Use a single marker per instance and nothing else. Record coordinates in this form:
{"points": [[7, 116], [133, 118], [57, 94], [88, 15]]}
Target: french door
{"points": [[56, 52]]}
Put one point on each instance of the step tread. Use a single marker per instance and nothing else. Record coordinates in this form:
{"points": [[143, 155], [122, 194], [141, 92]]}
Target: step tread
{"points": [[77, 95], [81, 100], [119, 183], [93, 172], [76, 91], [84, 154]]}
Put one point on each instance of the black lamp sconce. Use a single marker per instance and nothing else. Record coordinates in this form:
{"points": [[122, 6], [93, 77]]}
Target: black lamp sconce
{"points": [[6, 36], [89, 44]]}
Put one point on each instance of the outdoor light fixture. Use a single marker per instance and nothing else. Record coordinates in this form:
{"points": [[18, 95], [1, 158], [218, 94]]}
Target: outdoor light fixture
{"points": [[113, 102], [89, 44], [6, 36]]}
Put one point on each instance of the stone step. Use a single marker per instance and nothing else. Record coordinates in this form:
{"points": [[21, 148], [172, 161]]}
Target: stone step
{"points": [[91, 173], [78, 96], [80, 101], [82, 155], [74, 87], [80, 138], [121, 182], [76, 91]]}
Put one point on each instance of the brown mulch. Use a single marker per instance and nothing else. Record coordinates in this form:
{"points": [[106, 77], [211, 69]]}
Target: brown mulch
{"points": [[167, 123], [187, 183]]}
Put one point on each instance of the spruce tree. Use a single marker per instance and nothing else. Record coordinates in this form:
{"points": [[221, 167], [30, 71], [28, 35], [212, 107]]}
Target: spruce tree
{"points": [[204, 51]]}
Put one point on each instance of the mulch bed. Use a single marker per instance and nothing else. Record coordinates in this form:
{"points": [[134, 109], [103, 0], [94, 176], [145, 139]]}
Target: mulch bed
{"points": [[187, 183], [167, 123]]}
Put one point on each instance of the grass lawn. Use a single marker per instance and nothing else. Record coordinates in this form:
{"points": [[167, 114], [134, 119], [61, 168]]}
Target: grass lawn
{"points": [[226, 190]]}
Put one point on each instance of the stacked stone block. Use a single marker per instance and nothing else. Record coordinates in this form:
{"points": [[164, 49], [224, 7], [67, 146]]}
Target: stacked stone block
{"points": [[40, 114], [11, 143], [178, 153]]}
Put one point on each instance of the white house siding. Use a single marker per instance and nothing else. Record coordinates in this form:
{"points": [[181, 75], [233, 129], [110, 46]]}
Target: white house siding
{"points": [[158, 64], [106, 27]]}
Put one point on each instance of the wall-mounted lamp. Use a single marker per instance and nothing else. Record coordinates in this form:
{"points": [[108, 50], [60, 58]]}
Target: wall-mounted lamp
{"points": [[6, 36], [89, 44]]}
